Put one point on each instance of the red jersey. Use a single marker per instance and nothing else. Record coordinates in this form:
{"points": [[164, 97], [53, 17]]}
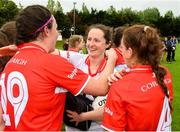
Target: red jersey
{"points": [[32, 94], [120, 59], [136, 102]]}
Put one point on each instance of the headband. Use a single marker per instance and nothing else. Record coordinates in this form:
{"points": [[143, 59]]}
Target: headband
{"points": [[40, 28]]}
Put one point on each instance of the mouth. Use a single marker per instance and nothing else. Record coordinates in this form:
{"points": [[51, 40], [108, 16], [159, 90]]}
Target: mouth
{"points": [[92, 50]]}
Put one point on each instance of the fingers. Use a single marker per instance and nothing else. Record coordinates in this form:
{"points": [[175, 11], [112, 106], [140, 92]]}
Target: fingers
{"points": [[73, 115], [112, 78], [70, 112], [116, 76]]}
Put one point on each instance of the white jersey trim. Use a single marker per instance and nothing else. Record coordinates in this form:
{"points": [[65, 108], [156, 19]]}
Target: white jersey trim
{"points": [[83, 86], [165, 114], [107, 128]]}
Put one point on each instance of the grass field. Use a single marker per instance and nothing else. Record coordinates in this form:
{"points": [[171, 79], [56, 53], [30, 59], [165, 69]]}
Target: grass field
{"points": [[174, 68]]}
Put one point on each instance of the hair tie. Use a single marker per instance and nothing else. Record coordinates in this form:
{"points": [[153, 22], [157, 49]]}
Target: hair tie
{"points": [[145, 28]]}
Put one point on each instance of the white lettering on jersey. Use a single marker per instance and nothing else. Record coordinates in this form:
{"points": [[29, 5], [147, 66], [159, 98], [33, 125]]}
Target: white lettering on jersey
{"points": [[149, 86], [108, 111], [74, 72], [4, 101], [18, 61], [165, 117], [18, 102]]}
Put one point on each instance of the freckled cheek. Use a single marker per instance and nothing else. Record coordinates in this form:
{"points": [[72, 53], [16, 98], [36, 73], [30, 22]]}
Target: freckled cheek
{"points": [[87, 45]]}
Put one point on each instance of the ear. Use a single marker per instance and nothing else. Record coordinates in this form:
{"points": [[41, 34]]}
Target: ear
{"points": [[46, 31], [108, 45], [129, 53]]}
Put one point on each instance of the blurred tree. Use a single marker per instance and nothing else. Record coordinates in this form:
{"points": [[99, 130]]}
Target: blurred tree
{"points": [[8, 11], [150, 16], [54, 6], [165, 24]]}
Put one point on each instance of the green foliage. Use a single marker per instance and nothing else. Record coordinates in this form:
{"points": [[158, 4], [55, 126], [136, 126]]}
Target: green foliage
{"points": [[8, 11], [54, 6], [167, 24], [85, 9], [150, 16], [64, 23], [51, 5]]}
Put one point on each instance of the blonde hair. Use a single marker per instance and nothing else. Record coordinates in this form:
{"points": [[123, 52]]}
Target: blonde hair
{"points": [[73, 39]]}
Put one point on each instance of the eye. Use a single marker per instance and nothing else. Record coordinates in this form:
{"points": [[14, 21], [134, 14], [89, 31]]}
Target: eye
{"points": [[88, 39], [96, 40]]}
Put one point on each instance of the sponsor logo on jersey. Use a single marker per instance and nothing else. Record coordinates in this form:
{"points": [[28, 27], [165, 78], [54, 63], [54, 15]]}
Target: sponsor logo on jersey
{"points": [[149, 86], [108, 111], [73, 73]]}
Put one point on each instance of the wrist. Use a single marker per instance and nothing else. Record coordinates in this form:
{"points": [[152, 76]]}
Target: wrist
{"points": [[82, 117]]}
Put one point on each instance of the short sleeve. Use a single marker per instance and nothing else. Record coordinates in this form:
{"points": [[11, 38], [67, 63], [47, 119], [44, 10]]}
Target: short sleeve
{"points": [[64, 74]]}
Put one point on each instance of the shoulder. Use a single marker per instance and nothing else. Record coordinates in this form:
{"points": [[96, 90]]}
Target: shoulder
{"points": [[123, 85], [53, 60]]}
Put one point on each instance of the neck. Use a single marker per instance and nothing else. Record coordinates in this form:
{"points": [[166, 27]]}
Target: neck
{"points": [[96, 61], [42, 44]]}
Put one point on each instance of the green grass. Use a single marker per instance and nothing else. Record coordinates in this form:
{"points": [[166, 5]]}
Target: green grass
{"points": [[174, 68], [59, 44]]}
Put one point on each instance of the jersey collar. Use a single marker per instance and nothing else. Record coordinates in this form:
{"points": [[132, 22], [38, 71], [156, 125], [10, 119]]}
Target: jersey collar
{"points": [[141, 68], [31, 46], [100, 68]]}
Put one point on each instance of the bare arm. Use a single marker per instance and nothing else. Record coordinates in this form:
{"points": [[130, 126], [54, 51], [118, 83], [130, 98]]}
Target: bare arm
{"points": [[100, 86], [95, 115], [8, 50]]}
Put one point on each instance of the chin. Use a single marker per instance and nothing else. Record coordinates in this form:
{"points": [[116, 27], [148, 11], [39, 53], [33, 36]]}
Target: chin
{"points": [[51, 50]]}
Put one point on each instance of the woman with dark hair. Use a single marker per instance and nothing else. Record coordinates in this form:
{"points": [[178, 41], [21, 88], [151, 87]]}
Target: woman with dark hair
{"points": [[35, 82], [99, 38], [142, 99]]}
